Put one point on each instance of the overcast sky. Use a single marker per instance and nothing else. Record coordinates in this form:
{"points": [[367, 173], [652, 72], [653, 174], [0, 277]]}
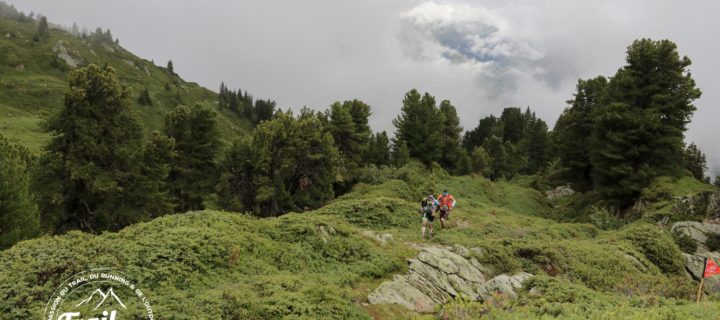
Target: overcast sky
{"points": [[481, 55]]}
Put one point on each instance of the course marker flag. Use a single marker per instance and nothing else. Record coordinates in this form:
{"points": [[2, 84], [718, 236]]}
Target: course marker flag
{"points": [[711, 268]]}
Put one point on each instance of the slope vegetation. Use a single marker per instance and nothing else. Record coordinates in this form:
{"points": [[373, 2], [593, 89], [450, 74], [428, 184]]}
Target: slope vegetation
{"points": [[33, 78], [323, 264]]}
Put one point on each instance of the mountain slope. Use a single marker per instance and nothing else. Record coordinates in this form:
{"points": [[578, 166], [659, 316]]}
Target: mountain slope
{"points": [[33, 78], [323, 264]]}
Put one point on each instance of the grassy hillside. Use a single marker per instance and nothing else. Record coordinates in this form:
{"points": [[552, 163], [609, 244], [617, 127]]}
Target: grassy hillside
{"points": [[322, 264], [33, 78]]}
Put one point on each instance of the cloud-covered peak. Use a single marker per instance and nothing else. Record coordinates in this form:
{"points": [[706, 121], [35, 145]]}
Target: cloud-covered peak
{"points": [[478, 38]]}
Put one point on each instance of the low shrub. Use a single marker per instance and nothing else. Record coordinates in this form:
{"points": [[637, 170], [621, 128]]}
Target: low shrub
{"points": [[657, 246]]}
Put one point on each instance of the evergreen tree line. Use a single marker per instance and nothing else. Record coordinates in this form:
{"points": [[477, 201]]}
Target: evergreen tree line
{"points": [[517, 142], [243, 105], [100, 172], [430, 133]]}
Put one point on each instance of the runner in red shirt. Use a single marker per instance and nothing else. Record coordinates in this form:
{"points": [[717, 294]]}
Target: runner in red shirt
{"points": [[447, 203]]}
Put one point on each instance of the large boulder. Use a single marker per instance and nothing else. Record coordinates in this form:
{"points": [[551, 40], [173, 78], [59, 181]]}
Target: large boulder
{"points": [[698, 231], [438, 274]]}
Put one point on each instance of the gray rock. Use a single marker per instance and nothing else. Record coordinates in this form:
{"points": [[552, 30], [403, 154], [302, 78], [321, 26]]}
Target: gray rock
{"points": [[399, 291], [698, 231], [694, 265], [703, 204], [439, 274], [71, 57], [559, 192], [504, 285]]}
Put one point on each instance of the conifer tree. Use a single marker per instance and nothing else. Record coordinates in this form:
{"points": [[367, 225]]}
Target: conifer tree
{"points": [[401, 154], [264, 110], [487, 127], [481, 161], [639, 136], [535, 146], [42, 31], [513, 124], [91, 166], [19, 217], [170, 67], [574, 129], [379, 149], [417, 126], [695, 161], [501, 154], [453, 156], [289, 165], [193, 172]]}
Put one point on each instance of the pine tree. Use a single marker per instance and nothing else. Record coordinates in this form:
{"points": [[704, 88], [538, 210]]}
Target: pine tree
{"points": [[289, 165], [453, 156], [535, 146], [236, 190], [42, 31], [348, 124], [170, 67], [151, 186], [640, 135], [193, 172], [695, 161], [513, 123], [91, 166], [342, 129], [481, 161], [574, 129], [501, 154], [487, 127], [401, 154], [19, 217], [417, 126], [264, 110], [379, 149]]}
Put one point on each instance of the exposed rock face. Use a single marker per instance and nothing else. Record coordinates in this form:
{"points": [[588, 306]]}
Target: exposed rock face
{"points": [[439, 274], [71, 57], [704, 204], [560, 192], [698, 231], [504, 285]]}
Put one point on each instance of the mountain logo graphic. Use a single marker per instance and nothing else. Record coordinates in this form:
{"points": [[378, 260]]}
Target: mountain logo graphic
{"points": [[102, 296]]}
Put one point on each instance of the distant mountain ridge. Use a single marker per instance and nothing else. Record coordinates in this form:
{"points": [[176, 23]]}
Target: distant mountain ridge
{"points": [[33, 79]]}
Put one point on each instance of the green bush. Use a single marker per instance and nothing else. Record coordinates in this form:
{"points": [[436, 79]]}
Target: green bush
{"points": [[685, 242], [712, 242], [657, 246]]}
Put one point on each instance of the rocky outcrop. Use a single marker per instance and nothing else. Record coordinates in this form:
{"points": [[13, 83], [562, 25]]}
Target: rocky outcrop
{"points": [[704, 204], [698, 231], [438, 274], [559, 192], [503, 285], [71, 57]]}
